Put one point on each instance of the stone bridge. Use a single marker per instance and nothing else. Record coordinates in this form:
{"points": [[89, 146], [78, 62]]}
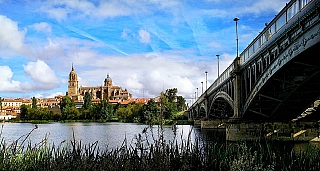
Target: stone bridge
{"points": [[276, 77]]}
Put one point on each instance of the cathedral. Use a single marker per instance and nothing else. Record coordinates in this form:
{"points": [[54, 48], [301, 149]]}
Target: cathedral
{"points": [[107, 91]]}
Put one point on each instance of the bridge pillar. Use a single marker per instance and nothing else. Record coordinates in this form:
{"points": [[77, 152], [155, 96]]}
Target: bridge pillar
{"points": [[248, 131], [237, 87]]}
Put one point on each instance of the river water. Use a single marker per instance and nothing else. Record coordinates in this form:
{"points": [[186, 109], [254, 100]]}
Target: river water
{"points": [[113, 134]]}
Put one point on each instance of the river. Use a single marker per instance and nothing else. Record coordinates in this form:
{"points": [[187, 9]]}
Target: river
{"points": [[113, 134]]}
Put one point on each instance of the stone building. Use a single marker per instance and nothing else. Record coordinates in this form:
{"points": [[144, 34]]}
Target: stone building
{"points": [[73, 85], [105, 91]]}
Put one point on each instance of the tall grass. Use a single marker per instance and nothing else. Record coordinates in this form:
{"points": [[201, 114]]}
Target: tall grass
{"points": [[150, 152]]}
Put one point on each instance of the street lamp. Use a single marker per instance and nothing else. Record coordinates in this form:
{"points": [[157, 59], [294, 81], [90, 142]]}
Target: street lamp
{"points": [[195, 96], [202, 86], [197, 92], [206, 80], [218, 64], [236, 20]]}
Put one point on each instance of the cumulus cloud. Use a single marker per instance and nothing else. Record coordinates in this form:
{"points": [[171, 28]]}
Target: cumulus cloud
{"points": [[133, 82], [6, 82], [42, 27], [10, 35], [144, 36], [42, 75], [46, 95], [148, 74]]}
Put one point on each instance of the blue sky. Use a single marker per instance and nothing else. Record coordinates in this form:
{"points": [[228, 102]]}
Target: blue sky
{"points": [[145, 45]]}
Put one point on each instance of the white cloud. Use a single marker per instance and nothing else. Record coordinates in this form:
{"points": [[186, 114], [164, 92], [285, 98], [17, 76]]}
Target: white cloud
{"points": [[147, 74], [46, 95], [42, 75], [113, 9], [133, 82], [263, 5], [61, 10], [10, 35], [6, 82], [144, 36], [42, 27]]}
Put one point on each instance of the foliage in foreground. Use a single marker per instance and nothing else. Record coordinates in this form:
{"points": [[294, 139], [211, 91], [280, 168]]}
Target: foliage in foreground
{"points": [[154, 154]]}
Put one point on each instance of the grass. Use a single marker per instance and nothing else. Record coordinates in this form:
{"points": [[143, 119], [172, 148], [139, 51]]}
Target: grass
{"points": [[154, 153]]}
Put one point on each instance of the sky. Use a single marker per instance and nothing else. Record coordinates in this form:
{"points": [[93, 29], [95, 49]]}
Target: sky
{"points": [[146, 46]]}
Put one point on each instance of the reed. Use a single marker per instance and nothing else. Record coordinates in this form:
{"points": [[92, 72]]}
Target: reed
{"points": [[151, 151]]}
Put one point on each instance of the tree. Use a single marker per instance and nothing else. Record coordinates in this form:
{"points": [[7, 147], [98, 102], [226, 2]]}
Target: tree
{"points": [[34, 102], [66, 101], [171, 94], [87, 101], [181, 103], [171, 103], [66, 104], [70, 112], [106, 109], [24, 111], [124, 114], [137, 111], [164, 103], [151, 111]]}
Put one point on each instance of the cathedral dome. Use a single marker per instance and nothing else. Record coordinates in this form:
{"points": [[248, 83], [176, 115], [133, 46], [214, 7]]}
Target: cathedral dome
{"points": [[108, 78], [108, 81]]}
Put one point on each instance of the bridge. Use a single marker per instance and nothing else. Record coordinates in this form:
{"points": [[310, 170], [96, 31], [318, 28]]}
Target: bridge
{"points": [[276, 77]]}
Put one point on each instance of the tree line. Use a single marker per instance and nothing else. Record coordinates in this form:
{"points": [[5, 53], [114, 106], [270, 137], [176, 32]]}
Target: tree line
{"points": [[168, 107]]}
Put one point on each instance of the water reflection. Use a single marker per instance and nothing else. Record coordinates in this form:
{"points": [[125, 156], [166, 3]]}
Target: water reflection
{"points": [[113, 134], [110, 134]]}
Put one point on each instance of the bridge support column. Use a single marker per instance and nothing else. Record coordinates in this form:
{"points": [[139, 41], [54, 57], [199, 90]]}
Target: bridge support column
{"points": [[245, 131], [213, 124], [197, 123], [237, 87]]}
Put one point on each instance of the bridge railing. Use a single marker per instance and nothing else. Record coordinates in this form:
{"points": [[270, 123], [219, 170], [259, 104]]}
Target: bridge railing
{"points": [[293, 8], [223, 77]]}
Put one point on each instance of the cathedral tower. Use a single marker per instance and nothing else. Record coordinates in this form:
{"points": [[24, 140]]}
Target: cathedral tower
{"points": [[73, 83], [108, 81]]}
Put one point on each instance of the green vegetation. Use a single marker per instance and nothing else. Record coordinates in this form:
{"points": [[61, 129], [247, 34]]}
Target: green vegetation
{"points": [[171, 107], [168, 110], [158, 155]]}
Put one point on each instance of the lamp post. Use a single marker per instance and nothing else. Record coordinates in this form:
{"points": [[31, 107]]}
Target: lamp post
{"points": [[236, 20], [195, 96], [218, 64], [202, 87], [206, 80], [197, 93]]}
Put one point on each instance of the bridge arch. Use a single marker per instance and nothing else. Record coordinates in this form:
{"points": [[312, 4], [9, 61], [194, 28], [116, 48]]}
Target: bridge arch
{"points": [[202, 112], [221, 106], [289, 84]]}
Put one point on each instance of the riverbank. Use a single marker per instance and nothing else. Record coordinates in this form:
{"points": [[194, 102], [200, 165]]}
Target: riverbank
{"points": [[164, 122]]}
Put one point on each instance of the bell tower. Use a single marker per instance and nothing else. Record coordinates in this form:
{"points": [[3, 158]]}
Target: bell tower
{"points": [[108, 81], [73, 83]]}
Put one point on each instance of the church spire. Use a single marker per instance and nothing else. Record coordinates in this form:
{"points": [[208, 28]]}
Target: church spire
{"points": [[72, 69]]}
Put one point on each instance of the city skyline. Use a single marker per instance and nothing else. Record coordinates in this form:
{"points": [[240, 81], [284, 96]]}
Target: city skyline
{"points": [[145, 47]]}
